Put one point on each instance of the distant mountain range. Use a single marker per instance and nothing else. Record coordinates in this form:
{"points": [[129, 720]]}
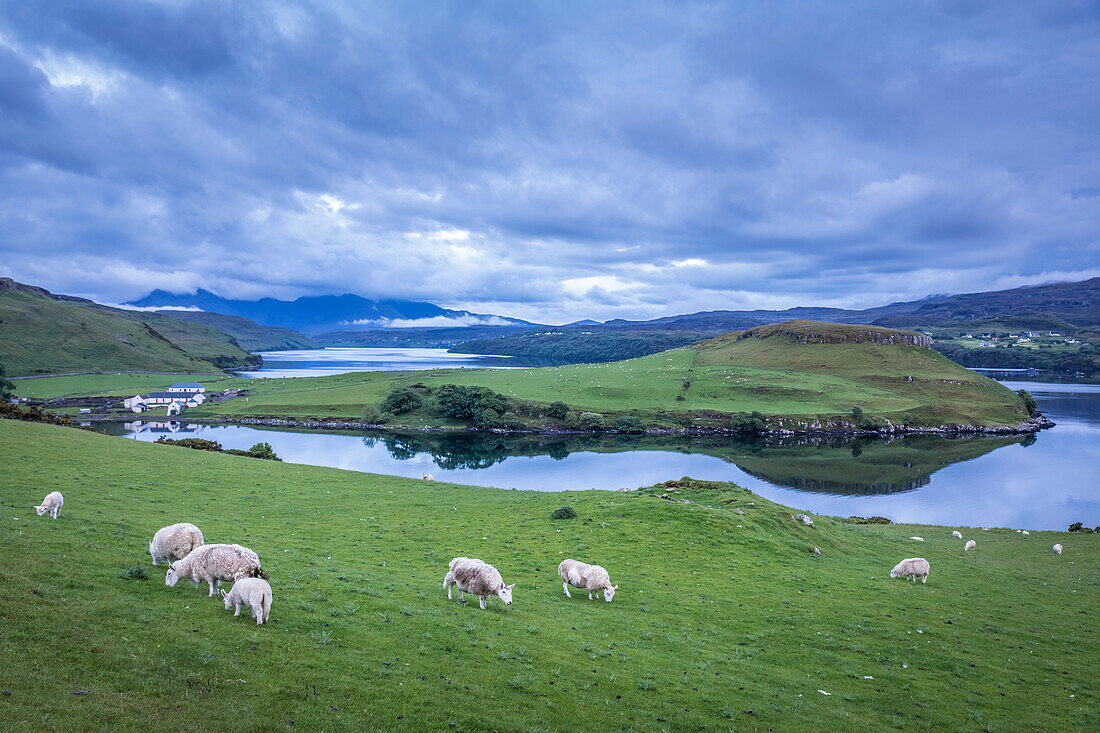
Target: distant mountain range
{"points": [[327, 313]]}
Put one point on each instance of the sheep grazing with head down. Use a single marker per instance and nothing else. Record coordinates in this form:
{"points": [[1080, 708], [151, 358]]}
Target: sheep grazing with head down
{"points": [[591, 578], [912, 568], [215, 563], [970, 545], [427, 477], [477, 578], [52, 504], [1025, 533], [1057, 548], [175, 542], [957, 534], [252, 592]]}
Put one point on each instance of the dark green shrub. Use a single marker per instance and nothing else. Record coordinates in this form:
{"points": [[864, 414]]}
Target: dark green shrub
{"points": [[565, 512], [629, 424], [133, 572], [193, 443], [467, 403], [591, 421], [857, 413], [743, 422], [557, 410], [400, 401], [264, 451], [1029, 402], [7, 389], [374, 416]]}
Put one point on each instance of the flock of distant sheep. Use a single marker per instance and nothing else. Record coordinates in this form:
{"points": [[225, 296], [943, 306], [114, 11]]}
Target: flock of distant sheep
{"points": [[183, 547], [917, 567]]}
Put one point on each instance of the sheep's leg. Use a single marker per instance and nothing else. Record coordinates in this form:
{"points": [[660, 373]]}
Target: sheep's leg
{"points": [[481, 599], [590, 595], [565, 587], [448, 592], [258, 613], [237, 610], [924, 579], [211, 582]]}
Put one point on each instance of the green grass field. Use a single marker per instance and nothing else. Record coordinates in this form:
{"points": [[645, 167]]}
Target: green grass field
{"points": [[697, 385], [722, 621]]}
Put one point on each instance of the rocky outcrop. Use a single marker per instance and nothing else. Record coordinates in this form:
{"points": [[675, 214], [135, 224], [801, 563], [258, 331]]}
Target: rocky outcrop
{"points": [[812, 332]]}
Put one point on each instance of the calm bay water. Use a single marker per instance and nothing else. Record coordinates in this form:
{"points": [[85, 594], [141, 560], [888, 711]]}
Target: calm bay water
{"points": [[328, 361], [1044, 481]]}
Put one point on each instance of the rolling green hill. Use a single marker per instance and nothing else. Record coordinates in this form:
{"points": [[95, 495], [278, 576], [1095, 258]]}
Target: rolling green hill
{"points": [[41, 333], [722, 620], [805, 375], [248, 334]]}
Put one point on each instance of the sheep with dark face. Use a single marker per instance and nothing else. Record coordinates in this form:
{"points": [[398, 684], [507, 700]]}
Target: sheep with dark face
{"points": [[215, 563], [591, 578], [478, 578], [52, 504], [175, 542]]}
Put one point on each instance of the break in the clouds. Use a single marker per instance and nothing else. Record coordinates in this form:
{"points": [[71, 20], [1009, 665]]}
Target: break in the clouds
{"points": [[550, 161]]}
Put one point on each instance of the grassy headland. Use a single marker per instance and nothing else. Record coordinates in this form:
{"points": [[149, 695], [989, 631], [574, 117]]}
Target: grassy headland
{"points": [[722, 620], [800, 376]]}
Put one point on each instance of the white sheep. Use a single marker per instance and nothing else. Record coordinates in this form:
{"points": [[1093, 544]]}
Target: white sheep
{"points": [[214, 563], [970, 545], [1026, 533], [174, 542], [918, 539], [427, 477], [957, 534], [1057, 548], [52, 504], [477, 578], [804, 519], [912, 568], [591, 578], [252, 592]]}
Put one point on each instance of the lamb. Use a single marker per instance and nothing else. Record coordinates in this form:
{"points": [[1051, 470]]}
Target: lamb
{"points": [[427, 477], [52, 504], [174, 542], [970, 545], [1057, 548], [957, 534], [912, 568], [591, 578], [252, 592], [214, 563], [476, 578]]}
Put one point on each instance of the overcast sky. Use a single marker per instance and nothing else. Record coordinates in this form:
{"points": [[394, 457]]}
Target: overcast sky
{"points": [[550, 161]]}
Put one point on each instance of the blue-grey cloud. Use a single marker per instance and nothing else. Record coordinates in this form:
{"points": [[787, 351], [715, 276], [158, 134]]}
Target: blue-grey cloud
{"points": [[550, 162]]}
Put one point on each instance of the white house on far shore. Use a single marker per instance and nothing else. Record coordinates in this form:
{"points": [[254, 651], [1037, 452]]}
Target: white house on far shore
{"points": [[179, 396]]}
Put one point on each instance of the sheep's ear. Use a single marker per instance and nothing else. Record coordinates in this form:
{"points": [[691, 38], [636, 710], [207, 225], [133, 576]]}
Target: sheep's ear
{"points": [[222, 591], [614, 587], [510, 587]]}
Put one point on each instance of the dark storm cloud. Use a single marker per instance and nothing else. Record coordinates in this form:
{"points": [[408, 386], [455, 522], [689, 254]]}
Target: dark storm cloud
{"points": [[552, 162]]}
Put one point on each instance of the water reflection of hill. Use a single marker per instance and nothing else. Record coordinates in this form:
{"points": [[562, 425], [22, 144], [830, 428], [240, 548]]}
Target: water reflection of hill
{"points": [[818, 464]]}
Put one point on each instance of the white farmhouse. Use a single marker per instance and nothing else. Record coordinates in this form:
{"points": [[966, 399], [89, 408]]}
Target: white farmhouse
{"points": [[187, 387]]}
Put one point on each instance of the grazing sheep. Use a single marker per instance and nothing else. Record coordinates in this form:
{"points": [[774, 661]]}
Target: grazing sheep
{"points": [[970, 545], [918, 539], [214, 563], [591, 578], [1026, 533], [805, 520], [912, 568], [476, 578], [52, 504], [427, 477], [252, 592], [957, 534], [174, 542], [1057, 548]]}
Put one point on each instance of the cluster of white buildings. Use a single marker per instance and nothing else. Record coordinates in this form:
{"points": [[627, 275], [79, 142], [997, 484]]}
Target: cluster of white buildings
{"points": [[179, 397]]}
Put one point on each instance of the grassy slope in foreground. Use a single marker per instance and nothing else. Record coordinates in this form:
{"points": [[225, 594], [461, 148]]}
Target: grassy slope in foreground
{"points": [[43, 334], [764, 369], [716, 614]]}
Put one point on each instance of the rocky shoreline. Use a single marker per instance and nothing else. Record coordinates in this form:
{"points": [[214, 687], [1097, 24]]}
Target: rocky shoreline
{"points": [[1031, 425]]}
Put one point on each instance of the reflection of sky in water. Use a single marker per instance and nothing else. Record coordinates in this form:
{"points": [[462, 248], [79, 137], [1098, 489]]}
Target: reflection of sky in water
{"points": [[329, 361], [1046, 485]]}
